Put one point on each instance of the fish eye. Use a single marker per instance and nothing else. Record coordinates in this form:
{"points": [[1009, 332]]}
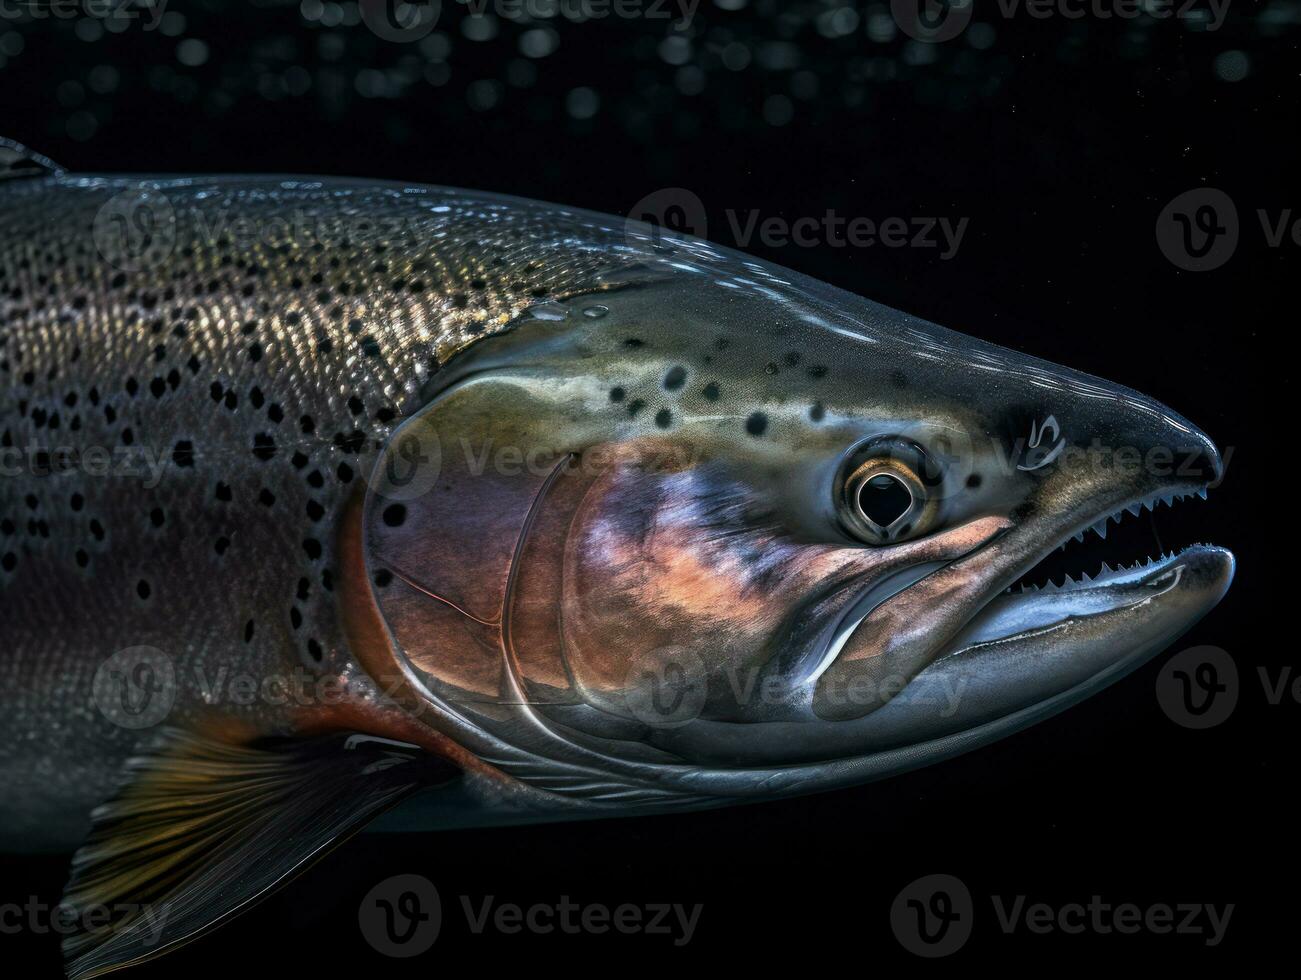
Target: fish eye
{"points": [[884, 497]]}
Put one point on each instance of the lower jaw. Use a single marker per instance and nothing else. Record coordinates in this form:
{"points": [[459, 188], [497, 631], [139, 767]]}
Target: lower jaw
{"points": [[1033, 608]]}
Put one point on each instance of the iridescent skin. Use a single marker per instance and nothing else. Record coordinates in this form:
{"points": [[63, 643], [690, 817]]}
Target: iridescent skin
{"points": [[684, 413]]}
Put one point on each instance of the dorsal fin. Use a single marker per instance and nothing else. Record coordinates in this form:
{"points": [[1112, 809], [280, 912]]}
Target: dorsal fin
{"points": [[18, 161]]}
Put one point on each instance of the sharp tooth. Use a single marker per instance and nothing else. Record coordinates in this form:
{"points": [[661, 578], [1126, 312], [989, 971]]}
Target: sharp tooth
{"points": [[1084, 578], [1080, 536], [1105, 568], [1169, 500], [1202, 493], [1134, 509], [1100, 529]]}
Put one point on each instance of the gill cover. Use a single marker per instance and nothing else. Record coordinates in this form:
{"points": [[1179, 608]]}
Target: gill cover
{"points": [[466, 525]]}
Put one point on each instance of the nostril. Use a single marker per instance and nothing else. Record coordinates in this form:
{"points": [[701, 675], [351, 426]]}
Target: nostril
{"points": [[884, 499]]}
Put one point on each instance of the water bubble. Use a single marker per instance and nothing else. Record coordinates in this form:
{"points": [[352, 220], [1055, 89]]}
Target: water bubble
{"points": [[538, 42], [192, 52], [479, 27], [484, 94], [582, 103], [89, 29], [690, 80], [1232, 66], [675, 50], [104, 79], [736, 56], [778, 110]]}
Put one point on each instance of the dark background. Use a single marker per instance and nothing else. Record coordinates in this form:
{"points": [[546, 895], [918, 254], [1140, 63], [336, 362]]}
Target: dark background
{"points": [[1061, 140]]}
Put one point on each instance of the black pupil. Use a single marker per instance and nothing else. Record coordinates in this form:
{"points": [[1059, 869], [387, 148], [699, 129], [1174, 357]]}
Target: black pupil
{"points": [[884, 499]]}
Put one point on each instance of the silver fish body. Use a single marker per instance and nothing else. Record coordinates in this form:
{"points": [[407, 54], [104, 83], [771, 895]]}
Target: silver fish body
{"points": [[324, 496]]}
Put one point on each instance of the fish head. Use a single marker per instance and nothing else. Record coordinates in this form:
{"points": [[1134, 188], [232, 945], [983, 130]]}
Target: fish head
{"points": [[753, 536]]}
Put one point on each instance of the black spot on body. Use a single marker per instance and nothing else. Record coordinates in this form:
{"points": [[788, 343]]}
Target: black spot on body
{"points": [[676, 378], [756, 424]]}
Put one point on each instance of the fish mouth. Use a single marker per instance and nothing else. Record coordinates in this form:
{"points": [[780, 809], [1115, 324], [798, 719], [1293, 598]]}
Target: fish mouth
{"points": [[1072, 598], [1105, 568]]}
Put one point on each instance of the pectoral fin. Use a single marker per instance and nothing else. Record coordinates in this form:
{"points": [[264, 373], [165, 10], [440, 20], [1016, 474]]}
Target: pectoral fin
{"points": [[202, 829]]}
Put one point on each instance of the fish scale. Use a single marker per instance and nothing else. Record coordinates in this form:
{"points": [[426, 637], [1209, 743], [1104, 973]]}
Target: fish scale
{"points": [[192, 360]]}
